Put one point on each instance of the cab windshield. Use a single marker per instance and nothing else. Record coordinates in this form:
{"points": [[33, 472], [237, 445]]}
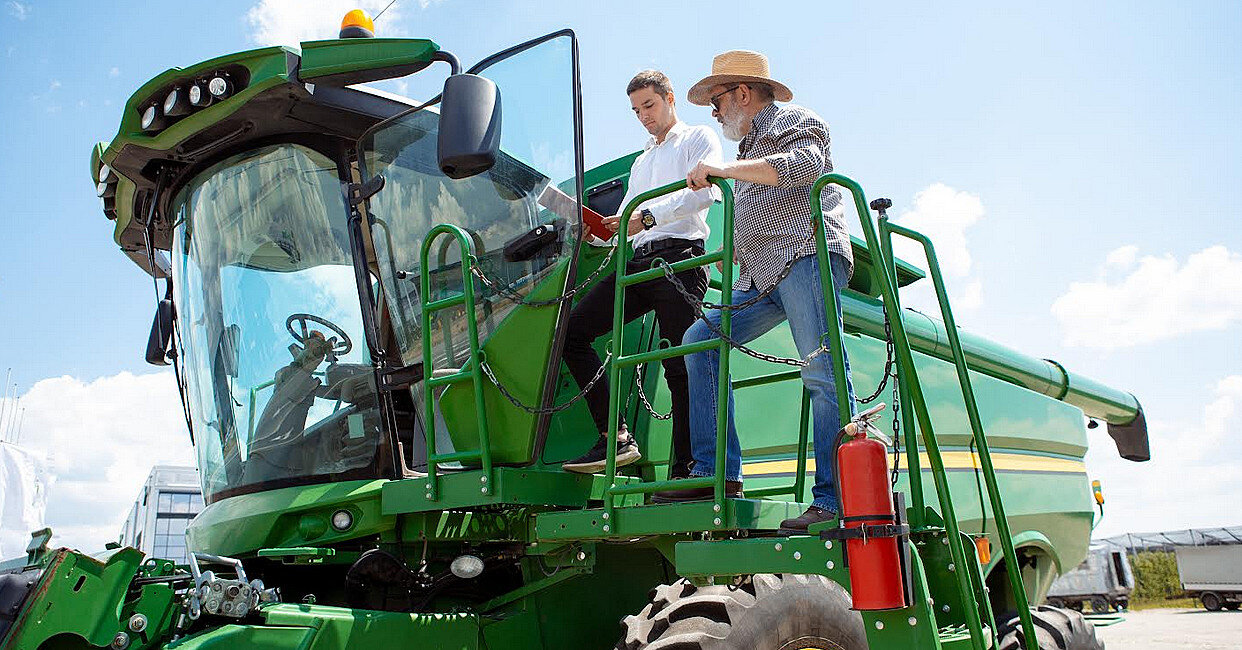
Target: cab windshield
{"points": [[279, 383]]}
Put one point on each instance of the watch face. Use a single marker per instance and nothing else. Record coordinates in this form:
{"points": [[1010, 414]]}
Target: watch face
{"points": [[648, 219]]}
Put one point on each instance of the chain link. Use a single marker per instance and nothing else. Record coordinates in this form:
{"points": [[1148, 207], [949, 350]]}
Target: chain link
{"points": [[476, 268], [535, 410], [698, 304], [762, 294], [896, 420], [642, 396], [890, 369]]}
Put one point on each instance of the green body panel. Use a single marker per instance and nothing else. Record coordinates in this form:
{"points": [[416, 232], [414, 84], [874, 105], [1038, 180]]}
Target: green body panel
{"points": [[288, 517], [358, 60], [83, 599], [517, 351]]}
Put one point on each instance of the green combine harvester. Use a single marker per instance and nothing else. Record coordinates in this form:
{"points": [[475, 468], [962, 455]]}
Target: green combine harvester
{"points": [[365, 301]]}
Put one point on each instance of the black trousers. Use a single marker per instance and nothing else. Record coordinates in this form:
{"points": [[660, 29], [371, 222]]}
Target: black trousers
{"points": [[592, 317]]}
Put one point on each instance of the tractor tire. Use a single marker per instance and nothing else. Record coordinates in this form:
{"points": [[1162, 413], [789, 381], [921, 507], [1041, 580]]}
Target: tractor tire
{"points": [[767, 612], [1211, 601], [1055, 629], [1100, 606], [1233, 607]]}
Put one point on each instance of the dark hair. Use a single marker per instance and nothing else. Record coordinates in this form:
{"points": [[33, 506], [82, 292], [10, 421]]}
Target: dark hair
{"points": [[653, 79], [761, 90]]}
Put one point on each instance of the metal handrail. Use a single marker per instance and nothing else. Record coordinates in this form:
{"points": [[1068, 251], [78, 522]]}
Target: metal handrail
{"points": [[908, 376], [976, 426], [621, 360], [466, 298]]}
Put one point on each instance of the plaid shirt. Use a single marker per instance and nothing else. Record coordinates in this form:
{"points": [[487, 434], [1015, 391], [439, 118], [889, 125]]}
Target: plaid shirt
{"points": [[772, 223]]}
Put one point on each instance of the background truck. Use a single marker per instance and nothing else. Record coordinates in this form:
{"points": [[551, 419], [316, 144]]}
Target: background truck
{"points": [[1103, 580], [1213, 574], [365, 302]]}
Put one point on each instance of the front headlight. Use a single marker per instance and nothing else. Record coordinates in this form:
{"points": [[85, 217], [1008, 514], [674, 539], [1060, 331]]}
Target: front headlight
{"points": [[198, 95], [175, 103], [151, 118], [220, 87]]}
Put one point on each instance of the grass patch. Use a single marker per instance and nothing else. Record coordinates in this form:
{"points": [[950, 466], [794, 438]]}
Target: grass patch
{"points": [[1169, 603]]}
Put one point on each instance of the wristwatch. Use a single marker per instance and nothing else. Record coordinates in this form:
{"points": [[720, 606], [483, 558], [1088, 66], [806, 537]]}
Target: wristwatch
{"points": [[648, 219]]}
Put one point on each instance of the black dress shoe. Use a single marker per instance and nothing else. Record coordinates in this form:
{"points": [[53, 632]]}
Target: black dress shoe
{"points": [[733, 490], [813, 515]]}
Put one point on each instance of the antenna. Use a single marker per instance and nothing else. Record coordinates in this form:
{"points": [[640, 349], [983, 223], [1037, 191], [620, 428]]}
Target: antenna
{"points": [[21, 419], [381, 12]]}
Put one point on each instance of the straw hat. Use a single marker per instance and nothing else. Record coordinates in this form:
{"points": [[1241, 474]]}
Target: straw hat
{"points": [[737, 66]]}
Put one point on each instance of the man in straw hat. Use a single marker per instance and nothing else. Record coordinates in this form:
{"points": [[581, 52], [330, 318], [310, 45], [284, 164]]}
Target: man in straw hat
{"points": [[782, 150]]}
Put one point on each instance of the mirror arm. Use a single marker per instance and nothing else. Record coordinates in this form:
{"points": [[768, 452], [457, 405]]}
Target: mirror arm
{"points": [[360, 192], [449, 58]]}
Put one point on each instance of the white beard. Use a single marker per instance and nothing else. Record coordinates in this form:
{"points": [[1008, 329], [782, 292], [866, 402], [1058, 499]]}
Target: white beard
{"points": [[732, 125]]}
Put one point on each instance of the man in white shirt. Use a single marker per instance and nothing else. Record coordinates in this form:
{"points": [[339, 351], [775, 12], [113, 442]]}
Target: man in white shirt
{"points": [[672, 227]]}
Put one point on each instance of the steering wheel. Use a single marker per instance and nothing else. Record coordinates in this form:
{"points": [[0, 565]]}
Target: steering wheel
{"points": [[341, 344]]}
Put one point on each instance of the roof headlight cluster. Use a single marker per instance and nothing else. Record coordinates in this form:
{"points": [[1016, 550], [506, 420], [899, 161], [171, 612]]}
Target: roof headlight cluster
{"points": [[184, 98], [105, 188]]}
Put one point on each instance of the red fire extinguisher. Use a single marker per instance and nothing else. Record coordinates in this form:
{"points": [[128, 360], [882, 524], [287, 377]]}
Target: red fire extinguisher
{"points": [[872, 530]]}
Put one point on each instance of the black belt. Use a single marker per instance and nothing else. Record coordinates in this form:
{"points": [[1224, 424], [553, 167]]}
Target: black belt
{"points": [[651, 248]]}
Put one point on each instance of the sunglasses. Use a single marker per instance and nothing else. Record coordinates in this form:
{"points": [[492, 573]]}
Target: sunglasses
{"points": [[715, 99]]}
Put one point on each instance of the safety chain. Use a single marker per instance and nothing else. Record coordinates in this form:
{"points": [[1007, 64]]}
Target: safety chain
{"points": [[753, 299], [476, 268], [638, 382], [897, 426], [889, 365], [487, 370], [698, 304]]}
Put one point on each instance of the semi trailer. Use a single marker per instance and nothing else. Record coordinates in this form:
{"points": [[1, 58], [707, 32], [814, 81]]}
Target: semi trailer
{"points": [[1212, 574]]}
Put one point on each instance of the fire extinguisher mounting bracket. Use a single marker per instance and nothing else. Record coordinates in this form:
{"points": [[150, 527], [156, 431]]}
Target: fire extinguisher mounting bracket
{"points": [[866, 532]]}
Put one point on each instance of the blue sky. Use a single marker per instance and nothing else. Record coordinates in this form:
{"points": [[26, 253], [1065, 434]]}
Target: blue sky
{"points": [[1078, 162]]}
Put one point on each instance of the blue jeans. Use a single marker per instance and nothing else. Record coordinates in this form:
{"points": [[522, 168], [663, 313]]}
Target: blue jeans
{"points": [[798, 299]]}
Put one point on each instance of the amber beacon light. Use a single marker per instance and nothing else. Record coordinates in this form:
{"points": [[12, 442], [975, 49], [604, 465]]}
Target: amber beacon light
{"points": [[357, 24]]}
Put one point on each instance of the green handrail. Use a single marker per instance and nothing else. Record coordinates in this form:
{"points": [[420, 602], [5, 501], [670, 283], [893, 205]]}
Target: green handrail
{"points": [[976, 427], [914, 470], [620, 360], [466, 298], [908, 375]]}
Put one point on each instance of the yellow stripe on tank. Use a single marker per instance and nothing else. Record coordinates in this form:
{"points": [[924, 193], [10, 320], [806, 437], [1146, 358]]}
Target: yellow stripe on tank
{"points": [[952, 460]]}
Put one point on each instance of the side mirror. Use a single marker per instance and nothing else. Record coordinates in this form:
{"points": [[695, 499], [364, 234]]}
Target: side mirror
{"points": [[161, 333], [469, 137]]}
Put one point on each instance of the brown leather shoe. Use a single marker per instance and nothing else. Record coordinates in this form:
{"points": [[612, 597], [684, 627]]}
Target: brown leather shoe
{"points": [[733, 490], [798, 525]]}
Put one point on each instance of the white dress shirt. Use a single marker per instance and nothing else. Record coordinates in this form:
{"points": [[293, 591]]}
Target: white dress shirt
{"points": [[683, 213]]}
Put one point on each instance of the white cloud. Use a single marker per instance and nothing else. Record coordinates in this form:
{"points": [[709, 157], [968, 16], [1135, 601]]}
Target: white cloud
{"points": [[1136, 300], [289, 22], [1194, 474], [114, 71], [18, 10], [944, 214], [101, 439]]}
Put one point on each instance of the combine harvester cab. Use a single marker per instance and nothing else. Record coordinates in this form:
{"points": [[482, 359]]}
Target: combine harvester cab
{"points": [[365, 300]]}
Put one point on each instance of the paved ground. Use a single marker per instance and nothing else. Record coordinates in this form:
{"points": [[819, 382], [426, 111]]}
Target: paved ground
{"points": [[1175, 629]]}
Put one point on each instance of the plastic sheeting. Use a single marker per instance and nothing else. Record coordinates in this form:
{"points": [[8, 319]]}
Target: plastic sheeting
{"points": [[23, 498]]}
